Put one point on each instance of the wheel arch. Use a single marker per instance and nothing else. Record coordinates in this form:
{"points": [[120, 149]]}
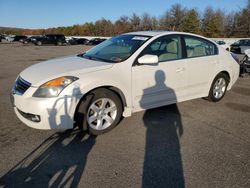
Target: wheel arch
{"points": [[225, 72], [77, 116], [227, 75]]}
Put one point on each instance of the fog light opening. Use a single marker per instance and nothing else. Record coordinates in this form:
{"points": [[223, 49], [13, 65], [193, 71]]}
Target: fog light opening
{"points": [[35, 118], [31, 117]]}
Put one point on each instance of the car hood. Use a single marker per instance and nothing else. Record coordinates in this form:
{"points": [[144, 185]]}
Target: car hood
{"points": [[67, 66]]}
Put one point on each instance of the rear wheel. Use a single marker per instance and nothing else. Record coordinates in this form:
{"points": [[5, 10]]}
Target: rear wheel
{"points": [[39, 43], [101, 111], [218, 88]]}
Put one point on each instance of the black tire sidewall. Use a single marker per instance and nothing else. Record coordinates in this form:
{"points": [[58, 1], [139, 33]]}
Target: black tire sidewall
{"points": [[211, 95], [93, 96]]}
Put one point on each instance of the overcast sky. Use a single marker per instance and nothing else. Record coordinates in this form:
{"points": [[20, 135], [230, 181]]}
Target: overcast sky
{"points": [[53, 13]]}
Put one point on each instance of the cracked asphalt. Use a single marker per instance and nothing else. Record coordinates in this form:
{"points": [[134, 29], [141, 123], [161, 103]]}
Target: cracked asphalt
{"points": [[192, 144]]}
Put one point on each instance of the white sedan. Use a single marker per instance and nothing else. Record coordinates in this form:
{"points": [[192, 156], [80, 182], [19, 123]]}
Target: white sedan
{"points": [[123, 75]]}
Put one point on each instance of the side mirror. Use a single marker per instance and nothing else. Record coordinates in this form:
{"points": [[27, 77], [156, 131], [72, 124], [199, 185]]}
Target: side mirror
{"points": [[148, 59]]}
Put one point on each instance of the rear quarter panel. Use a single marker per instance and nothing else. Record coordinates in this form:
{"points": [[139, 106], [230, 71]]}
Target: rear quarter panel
{"points": [[228, 64]]}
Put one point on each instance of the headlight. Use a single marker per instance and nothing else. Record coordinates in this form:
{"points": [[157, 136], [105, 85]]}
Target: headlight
{"points": [[54, 87]]}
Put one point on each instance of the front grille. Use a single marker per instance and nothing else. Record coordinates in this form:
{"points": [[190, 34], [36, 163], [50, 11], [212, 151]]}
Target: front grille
{"points": [[20, 86]]}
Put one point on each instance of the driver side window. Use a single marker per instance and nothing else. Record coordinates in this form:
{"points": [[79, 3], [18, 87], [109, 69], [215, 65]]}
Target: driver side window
{"points": [[166, 48]]}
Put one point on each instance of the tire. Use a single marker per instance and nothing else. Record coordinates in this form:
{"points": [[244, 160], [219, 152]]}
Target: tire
{"points": [[39, 43], [86, 114], [59, 43], [218, 88]]}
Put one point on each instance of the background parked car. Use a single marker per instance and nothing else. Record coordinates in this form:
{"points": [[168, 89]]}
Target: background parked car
{"points": [[82, 41], [245, 64], [223, 44], [75, 41], [10, 38], [19, 38], [95, 41], [56, 39], [31, 39], [240, 46]]}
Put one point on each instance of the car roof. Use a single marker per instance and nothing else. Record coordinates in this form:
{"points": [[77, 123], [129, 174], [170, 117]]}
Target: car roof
{"points": [[159, 32], [164, 32], [148, 33]]}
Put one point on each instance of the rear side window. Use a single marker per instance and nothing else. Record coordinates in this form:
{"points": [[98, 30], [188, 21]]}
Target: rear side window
{"points": [[197, 47]]}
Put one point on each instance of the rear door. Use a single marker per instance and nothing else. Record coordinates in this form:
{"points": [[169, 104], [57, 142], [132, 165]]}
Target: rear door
{"points": [[202, 60]]}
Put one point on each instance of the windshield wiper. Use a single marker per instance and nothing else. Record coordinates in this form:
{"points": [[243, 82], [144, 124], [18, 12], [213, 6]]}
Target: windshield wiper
{"points": [[97, 58]]}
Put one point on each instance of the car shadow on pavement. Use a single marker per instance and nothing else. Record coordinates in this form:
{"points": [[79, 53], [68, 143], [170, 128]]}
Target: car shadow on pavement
{"points": [[162, 161], [58, 162]]}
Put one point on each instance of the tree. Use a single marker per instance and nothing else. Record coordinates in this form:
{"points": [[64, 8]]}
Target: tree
{"points": [[243, 22], [104, 27], [148, 22], [135, 22], [212, 23], [76, 30], [89, 29], [165, 21], [191, 22], [230, 24], [122, 25], [173, 18]]}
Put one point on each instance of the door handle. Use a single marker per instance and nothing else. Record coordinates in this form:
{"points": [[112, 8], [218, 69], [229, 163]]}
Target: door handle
{"points": [[180, 69]]}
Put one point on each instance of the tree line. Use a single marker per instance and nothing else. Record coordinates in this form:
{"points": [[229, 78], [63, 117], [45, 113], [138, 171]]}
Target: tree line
{"points": [[210, 23]]}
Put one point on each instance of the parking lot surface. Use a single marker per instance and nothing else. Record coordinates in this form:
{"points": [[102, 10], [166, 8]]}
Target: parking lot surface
{"points": [[191, 144]]}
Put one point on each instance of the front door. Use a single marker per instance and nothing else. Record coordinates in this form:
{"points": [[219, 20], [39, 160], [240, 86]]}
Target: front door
{"points": [[163, 83]]}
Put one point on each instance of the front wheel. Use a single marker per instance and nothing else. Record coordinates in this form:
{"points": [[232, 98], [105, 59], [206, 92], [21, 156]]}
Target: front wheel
{"points": [[101, 111], [218, 88]]}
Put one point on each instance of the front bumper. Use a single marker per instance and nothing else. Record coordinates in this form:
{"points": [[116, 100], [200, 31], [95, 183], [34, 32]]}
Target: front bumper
{"points": [[54, 113]]}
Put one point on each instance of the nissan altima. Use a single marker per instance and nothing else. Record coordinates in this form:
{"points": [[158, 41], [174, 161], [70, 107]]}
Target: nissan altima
{"points": [[123, 75]]}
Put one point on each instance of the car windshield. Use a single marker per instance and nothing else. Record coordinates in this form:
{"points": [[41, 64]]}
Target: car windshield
{"points": [[116, 49]]}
